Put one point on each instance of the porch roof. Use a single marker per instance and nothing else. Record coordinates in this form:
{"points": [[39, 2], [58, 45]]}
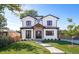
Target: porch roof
{"points": [[38, 25], [44, 28]]}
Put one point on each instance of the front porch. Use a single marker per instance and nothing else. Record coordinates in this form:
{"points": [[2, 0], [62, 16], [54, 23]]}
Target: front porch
{"points": [[38, 31], [34, 33]]}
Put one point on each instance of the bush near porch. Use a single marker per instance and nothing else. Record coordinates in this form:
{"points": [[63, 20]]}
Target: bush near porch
{"points": [[64, 46]]}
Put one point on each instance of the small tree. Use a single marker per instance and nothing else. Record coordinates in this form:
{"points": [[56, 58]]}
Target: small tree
{"points": [[71, 29]]}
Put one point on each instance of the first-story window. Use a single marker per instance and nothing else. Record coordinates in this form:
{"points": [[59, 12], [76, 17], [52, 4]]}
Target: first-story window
{"points": [[49, 32], [28, 33]]}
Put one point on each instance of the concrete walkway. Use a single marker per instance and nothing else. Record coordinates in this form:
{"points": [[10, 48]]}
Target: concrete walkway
{"points": [[53, 50]]}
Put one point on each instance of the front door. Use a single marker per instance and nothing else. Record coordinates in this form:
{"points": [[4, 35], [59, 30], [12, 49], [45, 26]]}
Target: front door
{"points": [[38, 34]]}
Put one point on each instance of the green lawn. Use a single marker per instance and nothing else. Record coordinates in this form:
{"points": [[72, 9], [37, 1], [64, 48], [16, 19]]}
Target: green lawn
{"points": [[64, 46], [24, 47]]}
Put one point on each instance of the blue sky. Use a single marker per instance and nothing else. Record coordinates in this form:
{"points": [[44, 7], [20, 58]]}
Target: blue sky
{"points": [[63, 11]]}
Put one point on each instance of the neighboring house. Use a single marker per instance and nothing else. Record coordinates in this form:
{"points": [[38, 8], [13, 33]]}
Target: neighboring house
{"points": [[14, 35], [40, 27], [4, 31]]}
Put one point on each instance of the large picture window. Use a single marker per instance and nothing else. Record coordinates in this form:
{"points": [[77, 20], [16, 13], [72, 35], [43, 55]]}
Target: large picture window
{"points": [[49, 32], [28, 23], [49, 23], [28, 33]]}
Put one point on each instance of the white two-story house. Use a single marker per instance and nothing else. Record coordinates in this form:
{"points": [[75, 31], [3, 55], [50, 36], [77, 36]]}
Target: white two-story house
{"points": [[39, 28]]}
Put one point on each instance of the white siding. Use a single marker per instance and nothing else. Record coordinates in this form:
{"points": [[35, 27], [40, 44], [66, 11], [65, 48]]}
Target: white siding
{"points": [[40, 22], [50, 37], [23, 31], [53, 19], [28, 18], [43, 22], [39, 19]]}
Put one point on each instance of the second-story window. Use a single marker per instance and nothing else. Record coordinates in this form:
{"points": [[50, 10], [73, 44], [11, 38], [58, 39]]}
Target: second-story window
{"points": [[28, 23], [49, 23]]}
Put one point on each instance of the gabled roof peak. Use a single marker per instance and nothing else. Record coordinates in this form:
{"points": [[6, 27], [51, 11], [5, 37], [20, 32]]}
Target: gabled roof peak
{"points": [[42, 16], [52, 16]]}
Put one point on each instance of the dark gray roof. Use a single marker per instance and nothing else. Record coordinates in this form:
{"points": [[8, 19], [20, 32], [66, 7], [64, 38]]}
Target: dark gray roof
{"points": [[43, 16], [52, 16]]}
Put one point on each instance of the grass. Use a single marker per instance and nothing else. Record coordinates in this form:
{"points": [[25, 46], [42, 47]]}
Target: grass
{"points": [[64, 46], [24, 47]]}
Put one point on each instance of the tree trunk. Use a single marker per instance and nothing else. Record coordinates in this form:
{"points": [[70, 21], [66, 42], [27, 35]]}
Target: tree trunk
{"points": [[72, 40]]}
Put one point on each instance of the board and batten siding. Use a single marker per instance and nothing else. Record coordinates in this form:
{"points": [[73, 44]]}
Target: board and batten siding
{"points": [[53, 19], [43, 21], [28, 18], [23, 32]]}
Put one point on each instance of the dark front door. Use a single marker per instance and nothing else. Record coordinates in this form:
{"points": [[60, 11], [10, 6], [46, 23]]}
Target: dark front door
{"points": [[38, 34]]}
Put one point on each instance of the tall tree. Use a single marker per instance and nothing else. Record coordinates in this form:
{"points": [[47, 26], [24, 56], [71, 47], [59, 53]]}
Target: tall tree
{"points": [[10, 7], [69, 19], [2, 21], [28, 12]]}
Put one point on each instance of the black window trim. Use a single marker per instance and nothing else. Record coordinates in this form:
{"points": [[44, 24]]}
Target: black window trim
{"points": [[27, 24], [48, 23], [49, 34]]}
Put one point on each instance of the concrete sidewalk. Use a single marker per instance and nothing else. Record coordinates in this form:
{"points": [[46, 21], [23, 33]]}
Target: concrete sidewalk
{"points": [[53, 50]]}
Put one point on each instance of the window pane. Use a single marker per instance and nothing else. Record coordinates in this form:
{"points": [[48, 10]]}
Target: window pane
{"points": [[28, 23], [28, 33], [49, 22], [49, 32]]}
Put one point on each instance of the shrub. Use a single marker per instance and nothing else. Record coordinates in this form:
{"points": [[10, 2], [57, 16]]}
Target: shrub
{"points": [[16, 38], [59, 39], [51, 39], [6, 40], [44, 39], [48, 39], [55, 39]]}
